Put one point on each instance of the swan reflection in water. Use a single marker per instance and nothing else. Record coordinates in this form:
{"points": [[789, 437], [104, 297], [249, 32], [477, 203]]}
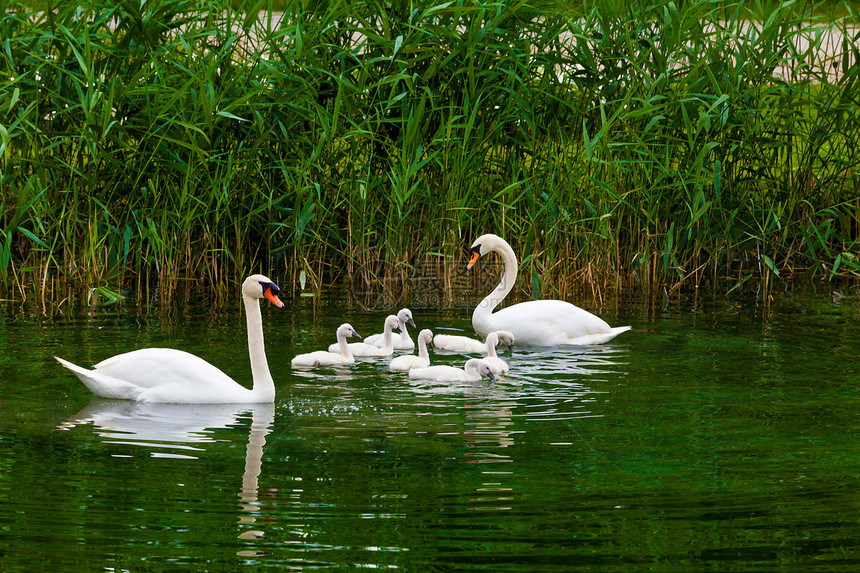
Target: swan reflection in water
{"points": [[186, 428], [544, 386]]}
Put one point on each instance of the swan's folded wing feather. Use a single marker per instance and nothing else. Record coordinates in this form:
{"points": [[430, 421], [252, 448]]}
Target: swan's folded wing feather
{"points": [[456, 343], [431, 372], [151, 367], [320, 358], [551, 323], [408, 362]]}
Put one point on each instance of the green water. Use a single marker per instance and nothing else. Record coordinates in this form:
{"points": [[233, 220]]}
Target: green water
{"points": [[714, 436]]}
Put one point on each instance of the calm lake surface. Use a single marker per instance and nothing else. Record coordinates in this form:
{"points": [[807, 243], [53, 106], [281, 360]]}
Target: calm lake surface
{"points": [[716, 435]]}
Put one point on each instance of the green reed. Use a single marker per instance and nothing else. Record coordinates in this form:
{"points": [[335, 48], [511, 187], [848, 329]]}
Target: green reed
{"points": [[646, 144]]}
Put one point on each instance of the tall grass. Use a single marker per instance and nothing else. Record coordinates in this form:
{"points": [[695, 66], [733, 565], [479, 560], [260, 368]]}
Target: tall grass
{"points": [[652, 143]]}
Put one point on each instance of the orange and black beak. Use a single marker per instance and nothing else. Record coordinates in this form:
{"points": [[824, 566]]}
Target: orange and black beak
{"points": [[270, 291], [476, 254]]}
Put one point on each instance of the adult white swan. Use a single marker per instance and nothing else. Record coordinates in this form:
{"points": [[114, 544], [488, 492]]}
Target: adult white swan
{"points": [[325, 358], [407, 362], [536, 322], [173, 376]]}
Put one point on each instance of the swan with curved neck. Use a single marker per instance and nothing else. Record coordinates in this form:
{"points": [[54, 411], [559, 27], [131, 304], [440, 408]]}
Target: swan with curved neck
{"points": [[535, 322], [173, 376]]}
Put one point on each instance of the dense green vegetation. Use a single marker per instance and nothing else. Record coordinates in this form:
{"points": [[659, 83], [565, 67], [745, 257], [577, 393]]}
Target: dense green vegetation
{"points": [[647, 143]]}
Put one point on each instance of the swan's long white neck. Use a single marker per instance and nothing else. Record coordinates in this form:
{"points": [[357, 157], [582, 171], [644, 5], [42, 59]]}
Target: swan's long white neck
{"points": [[492, 341], [387, 340], [482, 312], [343, 345], [422, 348], [264, 385], [404, 332]]}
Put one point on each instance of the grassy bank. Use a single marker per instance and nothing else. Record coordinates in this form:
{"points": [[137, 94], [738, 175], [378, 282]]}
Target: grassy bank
{"points": [[642, 145]]}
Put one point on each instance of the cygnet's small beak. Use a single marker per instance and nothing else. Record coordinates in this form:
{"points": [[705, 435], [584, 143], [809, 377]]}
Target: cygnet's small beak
{"points": [[411, 323], [355, 334]]}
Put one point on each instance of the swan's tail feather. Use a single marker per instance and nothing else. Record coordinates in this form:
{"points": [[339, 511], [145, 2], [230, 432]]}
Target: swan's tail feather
{"points": [[73, 367], [102, 385]]}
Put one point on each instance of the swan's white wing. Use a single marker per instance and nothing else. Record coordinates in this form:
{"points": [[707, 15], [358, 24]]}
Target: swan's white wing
{"points": [[408, 362], [550, 323], [456, 343], [321, 358], [168, 375], [151, 367], [160, 375], [439, 372]]}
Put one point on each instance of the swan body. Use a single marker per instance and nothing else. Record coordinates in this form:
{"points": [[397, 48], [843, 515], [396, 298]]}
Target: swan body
{"points": [[472, 371], [325, 358], [404, 341], [172, 376], [407, 362], [457, 343], [536, 322], [464, 344], [497, 365], [387, 349]]}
